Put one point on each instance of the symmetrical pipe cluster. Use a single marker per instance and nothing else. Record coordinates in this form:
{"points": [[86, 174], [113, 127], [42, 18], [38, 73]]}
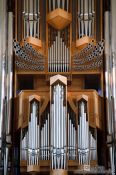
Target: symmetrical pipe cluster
{"points": [[86, 11], [58, 55], [45, 137], [34, 135], [58, 126], [83, 135], [59, 135], [63, 4], [31, 14]]}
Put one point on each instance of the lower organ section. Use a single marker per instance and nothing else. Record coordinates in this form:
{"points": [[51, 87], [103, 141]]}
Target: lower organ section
{"points": [[58, 129]]}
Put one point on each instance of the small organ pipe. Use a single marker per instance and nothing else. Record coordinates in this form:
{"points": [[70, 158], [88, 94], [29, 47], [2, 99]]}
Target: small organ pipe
{"points": [[61, 61], [52, 58], [30, 6], [63, 55], [86, 7], [67, 5], [65, 60], [54, 55], [56, 63], [68, 137], [58, 2], [49, 5], [90, 24], [63, 3], [78, 7], [93, 7], [82, 12], [53, 4], [48, 136], [58, 58], [90, 7]]}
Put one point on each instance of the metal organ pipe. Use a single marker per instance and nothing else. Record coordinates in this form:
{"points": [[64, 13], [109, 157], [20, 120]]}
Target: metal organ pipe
{"points": [[6, 73], [71, 134], [45, 136], [83, 136], [33, 135], [108, 83]]}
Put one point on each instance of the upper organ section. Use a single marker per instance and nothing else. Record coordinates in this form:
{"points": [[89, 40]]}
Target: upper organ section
{"points": [[59, 30]]}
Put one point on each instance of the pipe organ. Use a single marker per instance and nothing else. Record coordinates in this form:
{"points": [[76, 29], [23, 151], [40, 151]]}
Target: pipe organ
{"points": [[57, 104]]}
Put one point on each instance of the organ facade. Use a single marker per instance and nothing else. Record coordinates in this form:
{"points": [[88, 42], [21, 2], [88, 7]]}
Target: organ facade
{"points": [[57, 92]]}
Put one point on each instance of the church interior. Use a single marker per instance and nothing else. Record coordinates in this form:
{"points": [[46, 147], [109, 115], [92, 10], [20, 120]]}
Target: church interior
{"points": [[57, 87]]}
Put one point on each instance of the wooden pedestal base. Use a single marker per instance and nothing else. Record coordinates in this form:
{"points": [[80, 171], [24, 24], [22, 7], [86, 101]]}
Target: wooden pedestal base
{"points": [[58, 172], [33, 168]]}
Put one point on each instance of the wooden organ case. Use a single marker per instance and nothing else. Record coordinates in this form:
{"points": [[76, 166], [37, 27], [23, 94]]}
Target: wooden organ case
{"points": [[58, 85]]}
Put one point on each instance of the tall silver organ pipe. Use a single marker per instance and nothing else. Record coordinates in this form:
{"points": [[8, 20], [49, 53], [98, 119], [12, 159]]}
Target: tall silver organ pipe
{"points": [[83, 135], [33, 135], [58, 55], [54, 4], [3, 34], [45, 137], [31, 18], [9, 74], [6, 30], [108, 80], [58, 122], [72, 135], [113, 75], [86, 17]]}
